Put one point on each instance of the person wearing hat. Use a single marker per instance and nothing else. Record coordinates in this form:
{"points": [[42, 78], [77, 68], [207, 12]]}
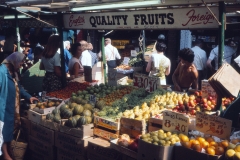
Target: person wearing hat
{"points": [[159, 65], [111, 54]]}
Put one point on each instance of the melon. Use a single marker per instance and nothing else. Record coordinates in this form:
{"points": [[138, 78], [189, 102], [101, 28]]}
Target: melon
{"points": [[71, 122], [49, 116], [77, 110], [81, 121], [57, 118], [100, 104], [63, 107], [88, 106], [87, 112], [67, 113], [56, 111], [72, 105], [88, 119]]}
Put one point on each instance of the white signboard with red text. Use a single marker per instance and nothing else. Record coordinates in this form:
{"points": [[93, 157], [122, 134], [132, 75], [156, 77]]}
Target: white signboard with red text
{"points": [[185, 18], [143, 81]]}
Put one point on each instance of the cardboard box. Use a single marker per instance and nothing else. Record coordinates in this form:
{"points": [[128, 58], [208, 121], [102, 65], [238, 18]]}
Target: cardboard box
{"points": [[35, 116], [42, 133], [132, 127], [105, 134], [148, 151], [39, 156], [42, 148], [99, 121], [25, 124], [85, 131], [44, 111], [50, 125], [99, 149], [123, 150], [70, 143], [185, 153], [63, 154]]}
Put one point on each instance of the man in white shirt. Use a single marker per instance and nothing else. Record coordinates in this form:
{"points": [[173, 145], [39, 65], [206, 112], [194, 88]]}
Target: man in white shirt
{"points": [[111, 54], [200, 60], [86, 58], [229, 50]]}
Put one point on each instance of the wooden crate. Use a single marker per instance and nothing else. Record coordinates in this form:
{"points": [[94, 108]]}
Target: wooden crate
{"points": [[36, 117], [99, 121], [44, 149], [44, 111], [105, 133], [25, 124], [154, 124], [99, 149], [85, 131], [71, 143], [50, 125], [132, 127], [123, 150], [42, 133], [63, 154]]}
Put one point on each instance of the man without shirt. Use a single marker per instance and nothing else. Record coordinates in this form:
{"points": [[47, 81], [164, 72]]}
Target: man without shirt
{"points": [[186, 74]]}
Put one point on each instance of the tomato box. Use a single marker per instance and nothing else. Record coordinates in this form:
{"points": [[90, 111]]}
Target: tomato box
{"points": [[99, 149], [84, 132], [71, 143], [99, 121], [63, 154], [122, 149], [42, 133], [186, 153], [148, 151], [132, 127], [42, 148], [105, 134]]}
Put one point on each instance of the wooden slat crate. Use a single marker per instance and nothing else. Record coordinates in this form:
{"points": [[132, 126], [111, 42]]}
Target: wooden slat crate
{"points": [[105, 133]]}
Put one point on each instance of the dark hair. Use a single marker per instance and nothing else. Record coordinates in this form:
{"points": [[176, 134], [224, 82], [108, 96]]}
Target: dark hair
{"points": [[186, 54], [52, 46], [74, 48], [198, 42], [160, 46]]}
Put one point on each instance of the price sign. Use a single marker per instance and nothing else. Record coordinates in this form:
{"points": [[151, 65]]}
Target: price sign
{"points": [[92, 98], [126, 60], [175, 122], [207, 90], [133, 53], [143, 81], [213, 125]]}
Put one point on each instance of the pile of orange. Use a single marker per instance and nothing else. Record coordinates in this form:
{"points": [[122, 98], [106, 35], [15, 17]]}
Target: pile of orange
{"points": [[199, 143]]}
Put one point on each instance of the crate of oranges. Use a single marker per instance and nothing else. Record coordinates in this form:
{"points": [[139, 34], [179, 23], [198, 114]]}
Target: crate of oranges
{"points": [[199, 148]]}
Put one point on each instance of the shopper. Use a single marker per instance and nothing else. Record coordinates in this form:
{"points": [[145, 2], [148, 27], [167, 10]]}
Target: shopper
{"points": [[67, 54], [51, 63], [159, 65], [200, 60], [186, 74], [11, 93], [229, 50], [75, 66], [93, 55], [111, 54]]}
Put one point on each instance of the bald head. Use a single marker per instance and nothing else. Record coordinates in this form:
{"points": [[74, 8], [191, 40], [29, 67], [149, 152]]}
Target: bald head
{"points": [[107, 41], [84, 45]]}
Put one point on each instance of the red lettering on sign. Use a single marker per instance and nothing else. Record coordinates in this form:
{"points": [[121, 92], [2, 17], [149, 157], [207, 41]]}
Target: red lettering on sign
{"points": [[76, 22], [194, 19]]}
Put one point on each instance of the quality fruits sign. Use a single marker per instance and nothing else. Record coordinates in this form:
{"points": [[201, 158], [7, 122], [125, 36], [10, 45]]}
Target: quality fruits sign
{"points": [[184, 18], [213, 125], [175, 122], [143, 81]]}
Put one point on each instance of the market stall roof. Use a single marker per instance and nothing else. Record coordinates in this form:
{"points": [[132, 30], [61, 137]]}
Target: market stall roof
{"points": [[52, 6]]}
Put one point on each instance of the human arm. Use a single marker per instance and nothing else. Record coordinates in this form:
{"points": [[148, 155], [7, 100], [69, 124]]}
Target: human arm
{"points": [[168, 69], [117, 54], [195, 79], [174, 78], [57, 65], [26, 95], [41, 67], [211, 57], [148, 68]]}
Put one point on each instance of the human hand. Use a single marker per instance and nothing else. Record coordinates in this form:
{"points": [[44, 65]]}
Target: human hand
{"points": [[33, 99], [177, 88]]}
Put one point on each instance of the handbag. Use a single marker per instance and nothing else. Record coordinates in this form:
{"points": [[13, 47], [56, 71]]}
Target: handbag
{"points": [[18, 148]]}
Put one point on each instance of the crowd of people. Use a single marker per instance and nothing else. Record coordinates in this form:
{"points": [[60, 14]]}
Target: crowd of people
{"points": [[192, 68]]}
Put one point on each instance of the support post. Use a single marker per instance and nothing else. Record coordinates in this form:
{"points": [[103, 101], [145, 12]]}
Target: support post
{"points": [[221, 31], [60, 31], [104, 60], [17, 32]]}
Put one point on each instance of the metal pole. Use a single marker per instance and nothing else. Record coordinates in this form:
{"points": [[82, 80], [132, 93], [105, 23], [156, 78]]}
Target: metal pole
{"points": [[144, 43], [60, 31], [104, 60], [17, 32], [221, 33]]}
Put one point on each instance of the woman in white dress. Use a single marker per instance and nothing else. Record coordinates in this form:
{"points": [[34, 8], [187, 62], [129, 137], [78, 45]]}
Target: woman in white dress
{"points": [[159, 65], [74, 65]]}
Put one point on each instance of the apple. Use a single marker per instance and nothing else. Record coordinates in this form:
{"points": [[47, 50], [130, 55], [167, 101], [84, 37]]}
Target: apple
{"points": [[177, 107], [181, 107], [193, 112], [205, 105], [210, 98], [209, 102], [180, 102], [204, 100], [197, 93], [133, 146], [212, 106], [213, 102], [198, 100]]}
